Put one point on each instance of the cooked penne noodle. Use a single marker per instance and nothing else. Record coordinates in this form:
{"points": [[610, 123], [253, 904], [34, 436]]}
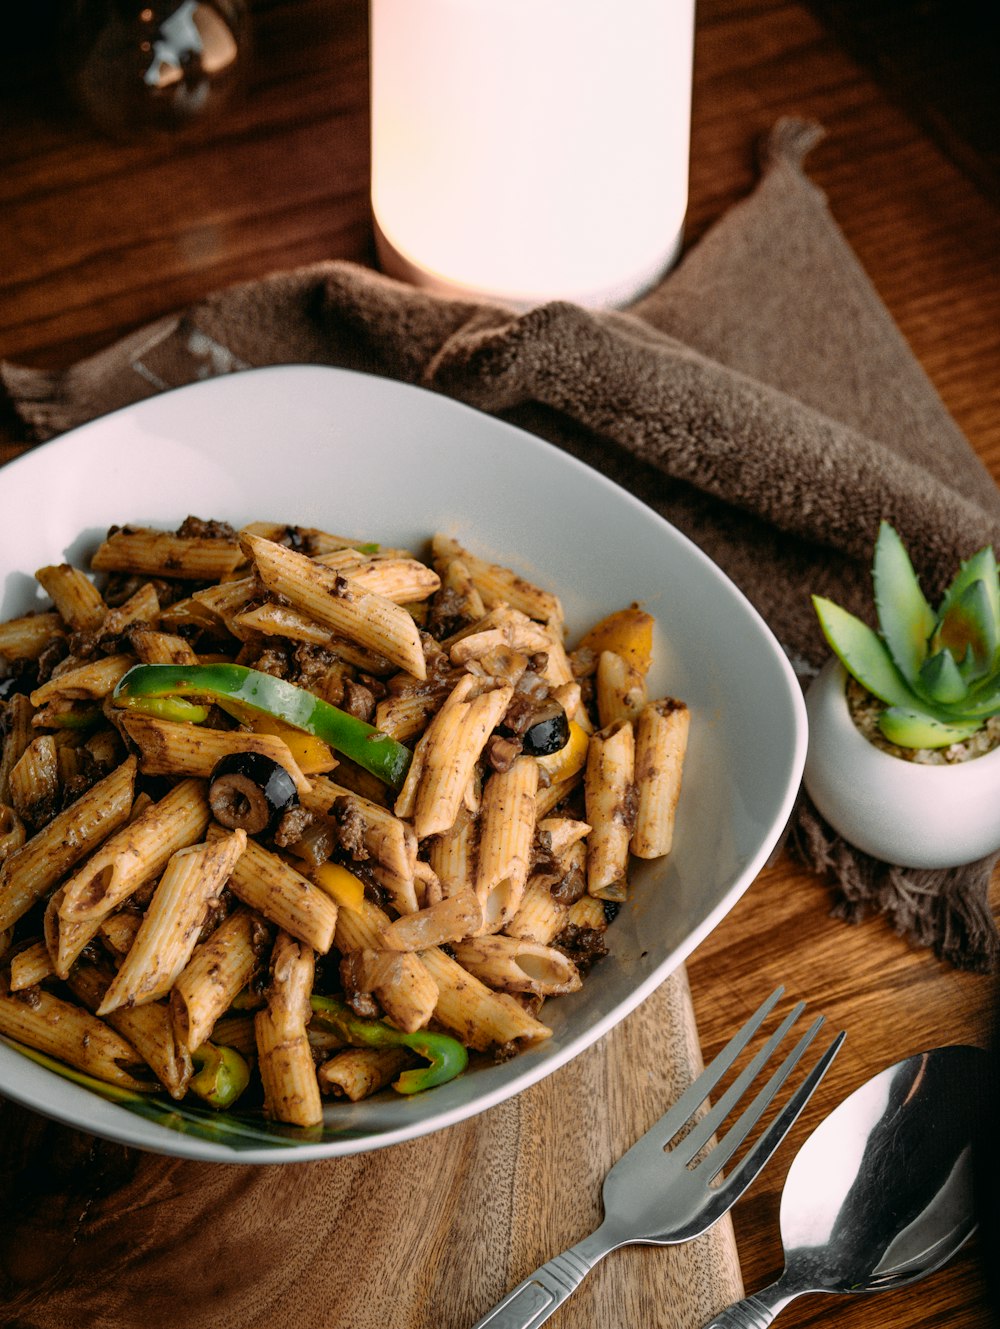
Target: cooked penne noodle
{"points": [[452, 854], [400, 981], [147, 1028], [402, 580], [278, 620], [358, 1073], [540, 917], [31, 871], [70, 1033], [362, 928], [25, 638], [446, 756], [153, 647], [12, 832], [620, 688], [587, 912], [272, 887], [405, 717], [18, 733], [326, 596], [309, 539], [167, 747], [454, 917], [168, 934], [117, 932], [91, 681], [507, 831], [75, 597], [163, 554], [608, 786], [497, 584], [236, 1031], [143, 606], [138, 852], [558, 834], [30, 966], [479, 1017], [34, 780], [291, 1090], [514, 964], [462, 599], [661, 736], [218, 970]]}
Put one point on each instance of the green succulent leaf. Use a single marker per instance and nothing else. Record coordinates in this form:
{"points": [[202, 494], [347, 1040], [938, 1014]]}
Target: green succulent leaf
{"points": [[970, 632], [941, 680], [982, 566], [905, 619], [864, 654], [915, 729], [981, 703]]}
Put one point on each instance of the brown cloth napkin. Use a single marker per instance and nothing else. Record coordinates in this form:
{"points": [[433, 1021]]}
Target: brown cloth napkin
{"points": [[760, 398]]}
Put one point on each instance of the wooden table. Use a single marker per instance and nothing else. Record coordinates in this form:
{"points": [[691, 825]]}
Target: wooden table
{"points": [[97, 238]]}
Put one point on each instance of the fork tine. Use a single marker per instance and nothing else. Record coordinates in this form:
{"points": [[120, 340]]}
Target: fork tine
{"points": [[761, 1150], [692, 1098], [737, 1133], [703, 1131]]}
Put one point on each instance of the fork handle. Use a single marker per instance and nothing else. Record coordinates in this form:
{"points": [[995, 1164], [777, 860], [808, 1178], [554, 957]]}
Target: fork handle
{"points": [[537, 1296], [756, 1311]]}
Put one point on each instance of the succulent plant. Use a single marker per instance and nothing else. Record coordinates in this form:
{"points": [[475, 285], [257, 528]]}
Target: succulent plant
{"points": [[938, 673]]}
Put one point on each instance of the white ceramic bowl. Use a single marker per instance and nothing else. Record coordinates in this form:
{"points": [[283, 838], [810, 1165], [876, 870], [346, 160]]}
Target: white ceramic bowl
{"points": [[913, 815], [385, 461]]}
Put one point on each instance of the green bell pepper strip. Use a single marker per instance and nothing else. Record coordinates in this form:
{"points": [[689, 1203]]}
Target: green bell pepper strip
{"points": [[174, 708], [222, 1075], [446, 1056], [376, 752]]}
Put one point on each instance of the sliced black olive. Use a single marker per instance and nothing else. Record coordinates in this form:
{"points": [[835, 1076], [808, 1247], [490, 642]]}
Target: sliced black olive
{"points": [[250, 792], [548, 731]]}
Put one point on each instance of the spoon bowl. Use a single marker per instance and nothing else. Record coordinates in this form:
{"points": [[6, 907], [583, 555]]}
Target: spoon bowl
{"points": [[882, 1192]]}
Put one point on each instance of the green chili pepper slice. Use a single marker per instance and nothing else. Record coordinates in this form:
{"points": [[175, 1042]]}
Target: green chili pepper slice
{"points": [[446, 1056], [376, 752], [222, 1075]]}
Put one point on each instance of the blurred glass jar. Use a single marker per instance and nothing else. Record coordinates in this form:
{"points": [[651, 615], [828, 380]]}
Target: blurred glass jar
{"points": [[137, 69]]}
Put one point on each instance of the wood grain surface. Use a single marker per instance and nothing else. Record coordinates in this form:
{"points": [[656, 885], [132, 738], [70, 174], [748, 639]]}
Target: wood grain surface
{"points": [[97, 238]]}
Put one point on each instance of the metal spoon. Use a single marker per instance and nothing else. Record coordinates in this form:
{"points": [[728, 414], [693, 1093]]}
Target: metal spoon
{"points": [[881, 1193]]}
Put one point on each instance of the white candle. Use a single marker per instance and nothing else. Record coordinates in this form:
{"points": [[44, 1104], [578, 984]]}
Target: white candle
{"points": [[527, 150]]}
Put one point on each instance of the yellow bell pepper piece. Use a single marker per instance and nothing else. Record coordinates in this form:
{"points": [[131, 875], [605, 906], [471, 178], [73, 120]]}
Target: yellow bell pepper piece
{"points": [[627, 632], [340, 884]]}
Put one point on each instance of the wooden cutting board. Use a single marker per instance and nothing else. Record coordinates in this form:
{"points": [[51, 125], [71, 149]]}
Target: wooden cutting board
{"points": [[424, 1235]]}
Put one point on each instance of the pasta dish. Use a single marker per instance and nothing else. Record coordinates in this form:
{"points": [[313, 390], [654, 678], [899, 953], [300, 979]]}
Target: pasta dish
{"points": [[285, 816]]}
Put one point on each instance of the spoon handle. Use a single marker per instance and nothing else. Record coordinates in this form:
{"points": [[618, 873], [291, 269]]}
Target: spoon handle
{"points": [[756, 1311]]}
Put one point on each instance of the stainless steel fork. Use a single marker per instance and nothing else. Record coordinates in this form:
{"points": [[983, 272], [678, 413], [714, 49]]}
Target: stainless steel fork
{"points": [[661, 1196]]}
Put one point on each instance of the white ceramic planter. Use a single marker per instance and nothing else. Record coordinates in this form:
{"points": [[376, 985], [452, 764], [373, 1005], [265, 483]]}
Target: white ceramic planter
{"points": [[913, 815]]}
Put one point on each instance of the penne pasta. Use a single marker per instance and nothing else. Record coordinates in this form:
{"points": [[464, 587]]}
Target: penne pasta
{"points": [[326, 596], [456, 894], [516, 964], [498, 584], [357, 1073], [31, 871], [272, 887], [169, 748], [164, 554], [661, 736], [620, 688], [77, 600], [608, 786], [70, 1033], [193, 879], [291, 1090], [217, 971], [507, 831]]}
